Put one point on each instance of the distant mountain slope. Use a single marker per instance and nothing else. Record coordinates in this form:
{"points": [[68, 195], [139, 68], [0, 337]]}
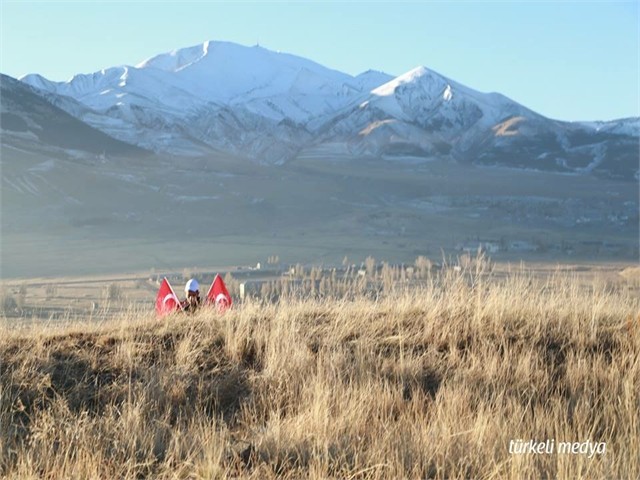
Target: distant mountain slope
{"points": [[274, 107], [27, 116], [425, 114]]}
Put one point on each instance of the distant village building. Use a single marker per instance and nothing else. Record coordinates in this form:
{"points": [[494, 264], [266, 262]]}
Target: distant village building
{"points": [[482, 246], [522, 246]]}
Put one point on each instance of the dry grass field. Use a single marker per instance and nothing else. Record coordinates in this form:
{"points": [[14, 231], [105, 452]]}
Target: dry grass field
{"points": [[428, 382]]}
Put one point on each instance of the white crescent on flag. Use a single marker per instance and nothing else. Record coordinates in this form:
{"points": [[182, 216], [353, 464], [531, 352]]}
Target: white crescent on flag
{"points": [[169, 296], [221, 298]]}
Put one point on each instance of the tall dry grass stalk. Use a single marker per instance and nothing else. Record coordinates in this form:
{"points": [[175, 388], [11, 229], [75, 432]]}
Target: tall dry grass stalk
{"points": [[431, 382]]}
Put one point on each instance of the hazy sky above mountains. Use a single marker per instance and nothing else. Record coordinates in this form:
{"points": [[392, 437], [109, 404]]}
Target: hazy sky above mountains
{"points": [[567, 60]]}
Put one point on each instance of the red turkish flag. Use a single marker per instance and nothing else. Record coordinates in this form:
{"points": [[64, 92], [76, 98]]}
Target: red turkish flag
{"points": [[218, 295], [166, 300]]}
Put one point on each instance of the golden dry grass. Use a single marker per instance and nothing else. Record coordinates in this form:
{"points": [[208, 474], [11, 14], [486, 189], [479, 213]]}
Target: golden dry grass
{"points": [[428, 383]]}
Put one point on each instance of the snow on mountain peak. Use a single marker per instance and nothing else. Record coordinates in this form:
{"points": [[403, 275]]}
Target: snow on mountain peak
{"points": [[416, 89], [227, 72], [176, 59], [367, 81], [447, 93], [415, 75], [219, 73]]}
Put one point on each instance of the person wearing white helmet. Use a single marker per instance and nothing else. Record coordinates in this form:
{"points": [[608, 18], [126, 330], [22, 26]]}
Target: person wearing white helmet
{"points": [[192, 292]]}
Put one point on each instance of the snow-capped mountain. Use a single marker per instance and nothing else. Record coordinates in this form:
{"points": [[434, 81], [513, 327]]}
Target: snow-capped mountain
{"points": [[425, 114], [273, 106], [222, 95]]}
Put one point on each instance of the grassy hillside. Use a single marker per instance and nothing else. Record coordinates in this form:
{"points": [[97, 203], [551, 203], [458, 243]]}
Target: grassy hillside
{"points": [[428, 383]]}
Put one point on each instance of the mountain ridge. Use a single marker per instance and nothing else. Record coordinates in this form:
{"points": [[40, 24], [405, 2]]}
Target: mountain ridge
{"points": [[272, 107], [29, 116]]}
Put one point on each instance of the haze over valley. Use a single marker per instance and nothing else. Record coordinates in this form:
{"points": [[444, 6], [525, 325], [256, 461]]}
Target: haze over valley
{"points": [[221, 154]]}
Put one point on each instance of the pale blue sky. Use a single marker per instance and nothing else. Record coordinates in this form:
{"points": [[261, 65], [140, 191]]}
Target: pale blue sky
{"points": [[570, 60]]}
